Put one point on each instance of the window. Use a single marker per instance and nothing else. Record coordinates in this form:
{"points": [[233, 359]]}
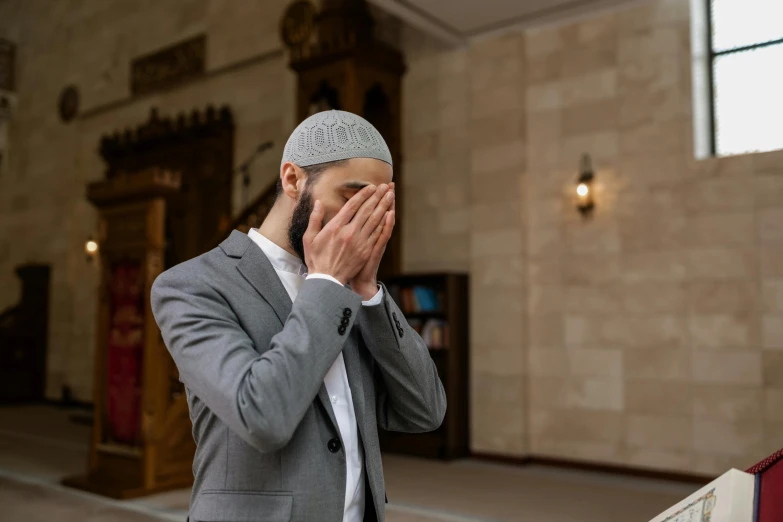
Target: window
{"points": [[744, 62]]}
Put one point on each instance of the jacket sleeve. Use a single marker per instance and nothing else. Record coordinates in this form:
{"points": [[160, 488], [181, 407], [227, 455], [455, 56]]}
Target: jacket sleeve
{"points": [[409, 394], [261, 397]]}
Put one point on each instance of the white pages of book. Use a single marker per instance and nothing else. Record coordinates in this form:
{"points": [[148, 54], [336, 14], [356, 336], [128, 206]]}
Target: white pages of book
{"points": [[729, 498]]}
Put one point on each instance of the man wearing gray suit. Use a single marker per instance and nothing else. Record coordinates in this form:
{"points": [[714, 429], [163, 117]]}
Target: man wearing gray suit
{"points": [[292, 354]]}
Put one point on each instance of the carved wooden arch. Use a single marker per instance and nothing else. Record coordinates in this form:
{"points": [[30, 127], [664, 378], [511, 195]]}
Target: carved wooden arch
{"points": [[200, 146], [128, 149]]}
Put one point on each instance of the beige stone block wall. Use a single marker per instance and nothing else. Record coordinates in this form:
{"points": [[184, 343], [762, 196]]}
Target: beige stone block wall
{"points": [[464, 149], [649, 335], [498, 246], [668, 300], [436, 212]]}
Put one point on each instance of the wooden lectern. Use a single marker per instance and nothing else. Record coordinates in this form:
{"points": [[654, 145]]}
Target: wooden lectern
{"points": [[141, 438]]}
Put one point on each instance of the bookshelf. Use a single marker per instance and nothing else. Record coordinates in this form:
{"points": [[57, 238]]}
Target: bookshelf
{"points": [[436, 306]]}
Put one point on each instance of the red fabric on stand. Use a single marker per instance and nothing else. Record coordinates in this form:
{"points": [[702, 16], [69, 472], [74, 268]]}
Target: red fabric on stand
{"points": [[125, 352]]}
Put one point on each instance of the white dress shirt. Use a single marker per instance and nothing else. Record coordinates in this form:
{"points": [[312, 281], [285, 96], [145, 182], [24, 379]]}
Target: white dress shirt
{"points": [[292, 273]]}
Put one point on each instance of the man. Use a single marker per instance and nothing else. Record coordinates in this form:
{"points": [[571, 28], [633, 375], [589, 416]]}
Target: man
{"points": [[291, 352]]}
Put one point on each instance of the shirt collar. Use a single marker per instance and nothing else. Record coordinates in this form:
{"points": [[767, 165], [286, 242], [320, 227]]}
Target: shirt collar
{"points": [[280, 259]]}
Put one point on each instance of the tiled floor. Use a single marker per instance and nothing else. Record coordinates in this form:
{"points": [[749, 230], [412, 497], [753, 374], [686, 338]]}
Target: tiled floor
{"points": [[38, 446]]}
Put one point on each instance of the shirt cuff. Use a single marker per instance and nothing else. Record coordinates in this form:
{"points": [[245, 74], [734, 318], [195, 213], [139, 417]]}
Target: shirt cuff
{"points": [[376, 300], [323, 276]]}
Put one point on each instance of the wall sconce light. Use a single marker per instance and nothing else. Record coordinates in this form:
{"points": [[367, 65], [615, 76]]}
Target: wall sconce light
{"points": [[91, 248], [584, 187]]}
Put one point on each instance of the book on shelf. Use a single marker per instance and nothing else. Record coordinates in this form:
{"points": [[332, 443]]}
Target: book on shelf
{"points": [[736, 496], [434, 332], [416, 299]]}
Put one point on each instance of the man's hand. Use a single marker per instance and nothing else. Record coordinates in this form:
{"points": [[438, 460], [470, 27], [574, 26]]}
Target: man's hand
{"points": [[342, 247], [365, 283]]}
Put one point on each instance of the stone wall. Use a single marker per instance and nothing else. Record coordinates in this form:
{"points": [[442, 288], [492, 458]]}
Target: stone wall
{"points": [[436, 221], [464, 130], [648, 336], [498, 245], [653, 336]]}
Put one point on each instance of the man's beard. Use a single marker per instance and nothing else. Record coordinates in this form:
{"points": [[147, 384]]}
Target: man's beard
{"points": [[300, 220]]}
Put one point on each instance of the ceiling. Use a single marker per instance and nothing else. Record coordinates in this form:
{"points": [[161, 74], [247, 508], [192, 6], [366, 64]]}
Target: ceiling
{"points": [[458, 20]]}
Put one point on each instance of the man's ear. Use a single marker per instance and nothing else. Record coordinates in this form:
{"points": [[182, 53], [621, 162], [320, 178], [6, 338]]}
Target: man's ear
{"points": [[293, 179]]}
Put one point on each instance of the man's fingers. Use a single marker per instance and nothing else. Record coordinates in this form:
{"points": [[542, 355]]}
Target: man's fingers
{"points": [[392, 220], [352, 206], [377, 232], [365, 212], [316, 221], [387, 227], [383, 239], [379, 213], [394, 203]]}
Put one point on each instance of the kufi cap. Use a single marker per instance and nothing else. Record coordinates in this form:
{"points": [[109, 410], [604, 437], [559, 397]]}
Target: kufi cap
{"points": [[333, 136]]}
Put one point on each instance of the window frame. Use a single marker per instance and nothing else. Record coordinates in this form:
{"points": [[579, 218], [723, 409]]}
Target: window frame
{"points": [[712, 55]]}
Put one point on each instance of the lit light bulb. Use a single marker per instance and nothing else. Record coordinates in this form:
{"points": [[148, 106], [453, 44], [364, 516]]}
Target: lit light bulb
{"points": [[91, 246], [582, 189]]}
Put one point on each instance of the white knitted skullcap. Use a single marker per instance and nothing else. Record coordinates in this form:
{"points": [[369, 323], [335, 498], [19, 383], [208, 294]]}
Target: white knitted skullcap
{"points": [[332, 136]]}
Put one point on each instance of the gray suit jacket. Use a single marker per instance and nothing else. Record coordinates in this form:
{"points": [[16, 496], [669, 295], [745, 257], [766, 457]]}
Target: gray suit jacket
{"points": [[253, 365]]}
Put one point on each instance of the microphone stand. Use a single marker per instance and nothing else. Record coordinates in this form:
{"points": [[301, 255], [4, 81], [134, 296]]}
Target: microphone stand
{"points": [[244, 168]]}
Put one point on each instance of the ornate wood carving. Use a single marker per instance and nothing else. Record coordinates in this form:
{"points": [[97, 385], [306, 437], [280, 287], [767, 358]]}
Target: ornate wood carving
{"points": [[7, 65], [164, 138], [200, 146], [345, 32], [127, 187], [298, 23], [169, 66]]}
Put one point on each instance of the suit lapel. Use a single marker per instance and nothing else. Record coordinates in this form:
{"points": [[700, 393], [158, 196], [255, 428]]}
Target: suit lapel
{"points": [[259, 272]]}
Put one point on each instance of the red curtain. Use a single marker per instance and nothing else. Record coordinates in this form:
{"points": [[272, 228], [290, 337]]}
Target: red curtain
{"points": [[125, 352]]}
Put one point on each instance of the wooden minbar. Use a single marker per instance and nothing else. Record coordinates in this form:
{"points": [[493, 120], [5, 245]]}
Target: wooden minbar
{"points": [[141, 439]]}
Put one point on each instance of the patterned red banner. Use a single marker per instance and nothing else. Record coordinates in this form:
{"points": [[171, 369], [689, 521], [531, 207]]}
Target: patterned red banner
{"points": [[125, 352]]}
